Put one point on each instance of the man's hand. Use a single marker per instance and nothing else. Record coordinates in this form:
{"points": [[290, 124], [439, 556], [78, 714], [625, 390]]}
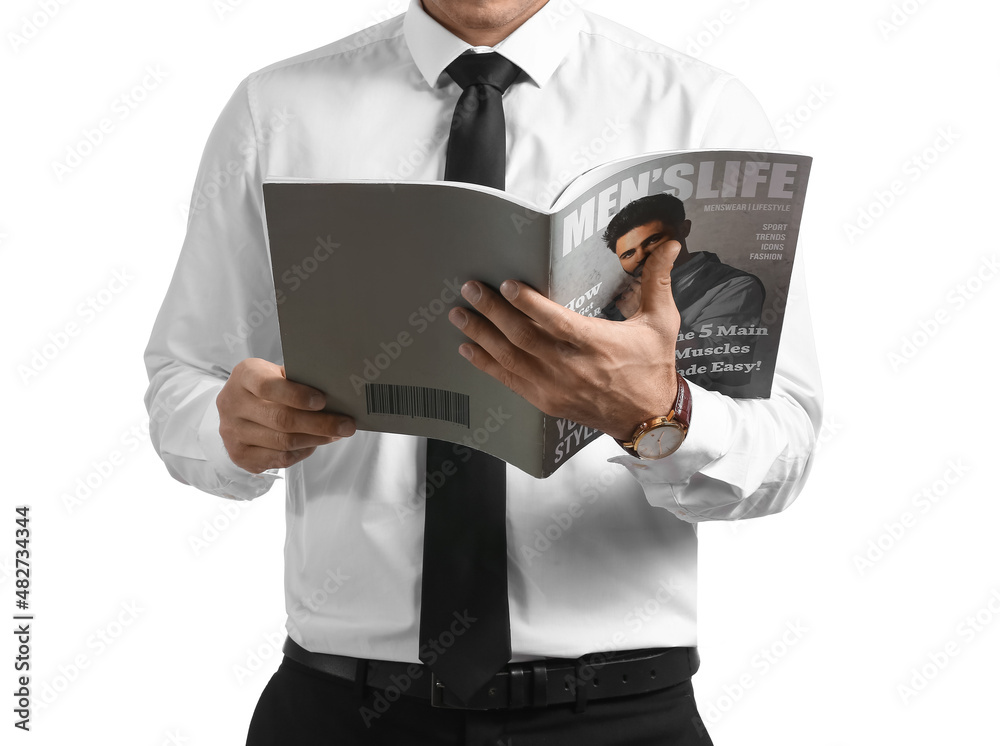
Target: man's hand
{"points": [[269, 422], [610, 375]]}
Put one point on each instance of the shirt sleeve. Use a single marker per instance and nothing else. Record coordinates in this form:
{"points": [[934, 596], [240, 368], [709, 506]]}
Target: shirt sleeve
{"points": [[219, 309], [744, 458]]}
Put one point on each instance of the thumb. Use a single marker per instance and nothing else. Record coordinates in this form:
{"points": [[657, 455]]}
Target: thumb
{"points": [[657, 299]]}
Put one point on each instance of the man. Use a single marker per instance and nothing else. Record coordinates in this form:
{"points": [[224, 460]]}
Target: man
{"points": [[708, 293], [618, 571]]}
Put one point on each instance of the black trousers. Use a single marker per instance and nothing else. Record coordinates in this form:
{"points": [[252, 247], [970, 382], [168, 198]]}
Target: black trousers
{"points": [[303, 707]]}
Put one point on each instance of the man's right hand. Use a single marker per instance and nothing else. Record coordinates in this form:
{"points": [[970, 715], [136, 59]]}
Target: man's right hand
{"points": [[269, 422]]}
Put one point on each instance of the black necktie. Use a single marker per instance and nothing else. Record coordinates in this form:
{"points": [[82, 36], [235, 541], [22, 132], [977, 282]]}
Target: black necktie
{"points": [[464, 616]]}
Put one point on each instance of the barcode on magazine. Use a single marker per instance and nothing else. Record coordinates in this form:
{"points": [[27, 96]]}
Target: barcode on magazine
{"points": [[417, 401]]}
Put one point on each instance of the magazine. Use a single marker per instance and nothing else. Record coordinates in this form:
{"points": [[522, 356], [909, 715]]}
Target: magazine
{"points": [[365, 273]]}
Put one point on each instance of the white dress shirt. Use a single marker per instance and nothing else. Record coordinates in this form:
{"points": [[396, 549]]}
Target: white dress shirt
{"points": [[602, 555]]}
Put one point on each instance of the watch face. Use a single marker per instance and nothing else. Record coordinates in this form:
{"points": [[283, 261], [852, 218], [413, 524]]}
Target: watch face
{"points": [[660, 441]]}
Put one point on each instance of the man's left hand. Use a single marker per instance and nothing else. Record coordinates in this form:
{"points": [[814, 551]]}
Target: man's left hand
{"points": [[609, 375]]}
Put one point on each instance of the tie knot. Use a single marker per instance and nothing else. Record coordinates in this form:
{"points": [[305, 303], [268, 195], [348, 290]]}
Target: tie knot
{"points": [[488, 68]]}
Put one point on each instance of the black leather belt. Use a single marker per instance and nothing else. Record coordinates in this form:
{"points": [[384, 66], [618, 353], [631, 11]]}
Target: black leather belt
{"points": [[529, 684]]}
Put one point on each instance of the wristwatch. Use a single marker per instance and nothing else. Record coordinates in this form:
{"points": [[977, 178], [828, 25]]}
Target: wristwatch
{"points": [[660, 436]]}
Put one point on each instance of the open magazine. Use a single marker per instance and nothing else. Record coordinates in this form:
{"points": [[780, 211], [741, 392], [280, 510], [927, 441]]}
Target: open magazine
{"points": [[365, 273]]}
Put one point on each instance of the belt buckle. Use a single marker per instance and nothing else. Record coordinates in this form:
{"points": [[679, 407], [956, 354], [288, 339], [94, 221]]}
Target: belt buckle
{"points": [[516, 679], [437, 693]]}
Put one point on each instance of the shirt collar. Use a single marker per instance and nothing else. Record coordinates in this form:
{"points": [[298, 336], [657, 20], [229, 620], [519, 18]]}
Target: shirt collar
{"points": [[537, 46]]}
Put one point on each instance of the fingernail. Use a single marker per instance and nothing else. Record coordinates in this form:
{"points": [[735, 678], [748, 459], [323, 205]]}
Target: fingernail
{"points": [[465, 351], [458, 317], [472, 292], [509, 289], [346, 429], [317, 401]]}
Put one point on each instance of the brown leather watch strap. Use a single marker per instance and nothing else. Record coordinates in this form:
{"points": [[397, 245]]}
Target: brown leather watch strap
{"points": [[681, 414], [682, 405]]}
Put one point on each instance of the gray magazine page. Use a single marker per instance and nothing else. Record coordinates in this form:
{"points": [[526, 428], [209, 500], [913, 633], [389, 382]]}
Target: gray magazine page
{"points": [[365, 274]]}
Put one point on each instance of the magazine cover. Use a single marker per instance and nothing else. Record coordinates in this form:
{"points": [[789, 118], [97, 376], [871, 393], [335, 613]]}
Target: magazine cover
{"points": [[736, 215], [366, 272]]}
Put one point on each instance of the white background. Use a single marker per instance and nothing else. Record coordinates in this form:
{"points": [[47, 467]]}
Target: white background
{"points": [[149, 596]]}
